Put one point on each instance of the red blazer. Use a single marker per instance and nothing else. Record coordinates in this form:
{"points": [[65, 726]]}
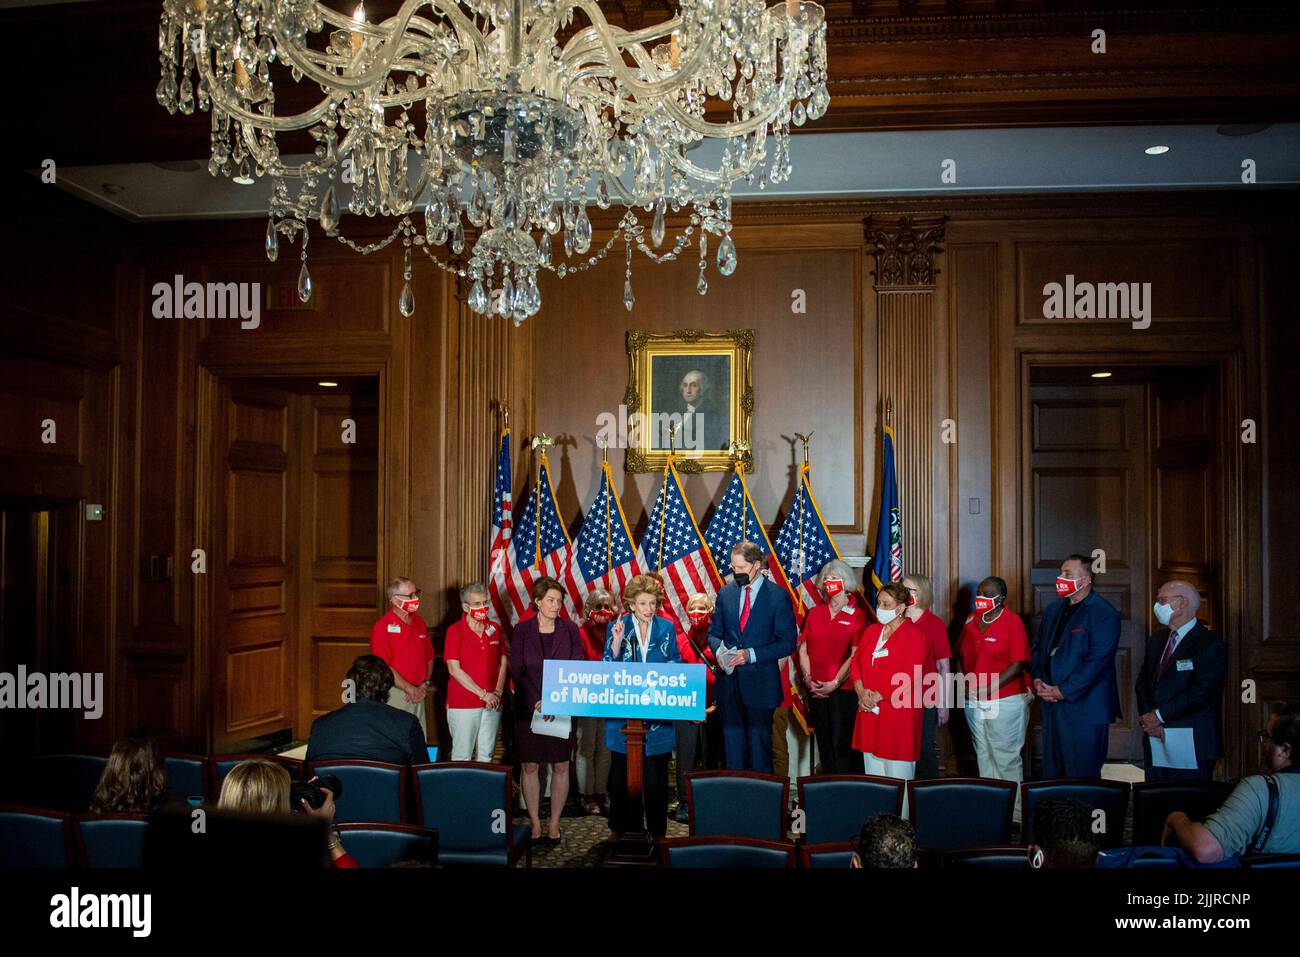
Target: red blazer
{"points": [[894, 734]]}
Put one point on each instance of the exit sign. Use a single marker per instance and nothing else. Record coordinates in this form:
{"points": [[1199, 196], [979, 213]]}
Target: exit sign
{"points": [[280, 297]]}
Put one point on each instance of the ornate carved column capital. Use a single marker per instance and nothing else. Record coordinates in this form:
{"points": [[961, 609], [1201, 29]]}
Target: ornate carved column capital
{"points": [[904, 248]]}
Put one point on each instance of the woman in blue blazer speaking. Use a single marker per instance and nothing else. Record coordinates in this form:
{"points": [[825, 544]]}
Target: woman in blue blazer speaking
{"points": [[641, 635]]}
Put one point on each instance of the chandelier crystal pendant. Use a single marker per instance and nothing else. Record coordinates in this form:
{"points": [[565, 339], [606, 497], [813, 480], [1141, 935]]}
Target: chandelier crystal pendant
{"points": [[496, 124]]}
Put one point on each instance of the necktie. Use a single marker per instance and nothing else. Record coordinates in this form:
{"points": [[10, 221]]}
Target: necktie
{"points": [[744, 611], [1167, 656]]}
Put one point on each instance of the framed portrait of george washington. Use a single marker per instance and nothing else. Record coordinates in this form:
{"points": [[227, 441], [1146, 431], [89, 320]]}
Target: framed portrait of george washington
{"points": [[691, 391]]}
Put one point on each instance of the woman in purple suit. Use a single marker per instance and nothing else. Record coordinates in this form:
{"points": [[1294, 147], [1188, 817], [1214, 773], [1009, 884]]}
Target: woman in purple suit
{"points": [[543, 637]]}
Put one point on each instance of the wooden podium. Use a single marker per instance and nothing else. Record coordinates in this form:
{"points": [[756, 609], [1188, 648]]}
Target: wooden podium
{"points": [[634, 848]]}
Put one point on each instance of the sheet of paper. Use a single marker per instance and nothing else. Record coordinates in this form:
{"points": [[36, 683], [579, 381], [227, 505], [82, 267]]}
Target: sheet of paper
{"points": [[557, 727], [1177, 750], [726, 657]]}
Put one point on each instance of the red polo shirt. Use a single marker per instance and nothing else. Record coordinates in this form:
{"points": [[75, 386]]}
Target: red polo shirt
{"points": [[895, 733], [829, 640], [479, 656], [936, 639], [987, 654], [406, 647]]}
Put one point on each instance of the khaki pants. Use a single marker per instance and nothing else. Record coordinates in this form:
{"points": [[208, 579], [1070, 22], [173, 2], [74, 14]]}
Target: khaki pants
{"points": [[997, 732], [397, 699], [791, 750]]}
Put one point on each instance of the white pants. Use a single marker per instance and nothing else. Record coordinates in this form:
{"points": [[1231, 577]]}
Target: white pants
{"points": [[473, 733], [799, 747], [592, 756], [903, 770], [997, 731]]}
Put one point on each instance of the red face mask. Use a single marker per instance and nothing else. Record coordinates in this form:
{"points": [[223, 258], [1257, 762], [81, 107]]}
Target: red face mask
{"points": [[479, 614], [409, 605], [697, 616], [833, 586], [601, 616], [1065, 587], [983, 604], [911, 599]]}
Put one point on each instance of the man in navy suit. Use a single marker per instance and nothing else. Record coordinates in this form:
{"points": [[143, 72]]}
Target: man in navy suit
{"points": [[1074, 674], [754, 615], [1181, 682]]}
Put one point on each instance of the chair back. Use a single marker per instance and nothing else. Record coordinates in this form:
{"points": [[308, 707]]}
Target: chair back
{"points": [[111, 840], [63, 782], [34, 837], [1154, 801], [834, 855], [220, 764], [188, 775], [468, 802], [737, 804], [954, 813], [383, 845], [1008, 857], [373, 791], [835, 805], [727, 852], [1110, 797]]}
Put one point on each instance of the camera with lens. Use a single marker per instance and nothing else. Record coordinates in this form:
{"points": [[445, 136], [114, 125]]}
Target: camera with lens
{"points": [[313, 791]]}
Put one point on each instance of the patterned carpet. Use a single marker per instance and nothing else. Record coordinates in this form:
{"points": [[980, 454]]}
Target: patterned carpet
{"points": [[582, 837]]}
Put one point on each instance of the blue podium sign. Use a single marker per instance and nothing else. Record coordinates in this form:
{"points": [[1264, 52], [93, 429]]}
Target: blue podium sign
{"points": [[660, 691]]}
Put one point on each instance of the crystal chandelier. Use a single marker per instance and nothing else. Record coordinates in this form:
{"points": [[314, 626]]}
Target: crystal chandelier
{"points": [[496, 123]]}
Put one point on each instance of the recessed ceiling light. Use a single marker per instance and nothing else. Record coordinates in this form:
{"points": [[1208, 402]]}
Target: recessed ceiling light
{"points": [[331, 385], [1101, 375], [1156, 150], [112, 189], [244, 175]]}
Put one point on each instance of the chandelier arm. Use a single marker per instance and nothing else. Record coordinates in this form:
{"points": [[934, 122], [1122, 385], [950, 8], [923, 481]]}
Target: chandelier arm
{"points": [[581, 44], [299, 121], [382, 63]]}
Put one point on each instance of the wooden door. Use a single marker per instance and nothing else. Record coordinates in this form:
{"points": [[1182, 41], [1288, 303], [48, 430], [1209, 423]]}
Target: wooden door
{"points": [[339, 535], [1185, 482], [253, 563], [1087, 490]]}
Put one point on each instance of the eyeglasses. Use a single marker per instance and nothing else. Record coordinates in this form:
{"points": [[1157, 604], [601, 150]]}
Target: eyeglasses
{"points": [[416, 594], [1264, 736]]}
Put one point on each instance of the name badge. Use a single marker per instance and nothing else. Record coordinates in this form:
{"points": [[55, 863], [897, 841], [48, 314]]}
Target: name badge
{"points": [[883, 653], [1184, 664], [394, 629]]}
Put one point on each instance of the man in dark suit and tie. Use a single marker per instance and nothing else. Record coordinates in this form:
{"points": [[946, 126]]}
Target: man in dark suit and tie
{"points": [[367, 728], [1181, 682], [755, 616], [1074, 674]]}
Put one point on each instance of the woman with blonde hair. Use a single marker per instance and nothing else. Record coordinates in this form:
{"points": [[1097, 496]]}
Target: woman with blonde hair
{"points": [[641, 636], [263, 787]]}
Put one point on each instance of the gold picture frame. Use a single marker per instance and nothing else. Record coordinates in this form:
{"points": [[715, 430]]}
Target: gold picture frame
{"points": [[665, 370]]}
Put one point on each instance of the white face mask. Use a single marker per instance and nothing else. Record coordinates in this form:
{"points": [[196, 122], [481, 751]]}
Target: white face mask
{"points": [[886, 615], [1163, 612]]}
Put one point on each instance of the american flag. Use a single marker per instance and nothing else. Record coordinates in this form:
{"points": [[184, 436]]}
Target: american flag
{"points": [[498, 548], [673, 546], [735, 521], [603, 555], [804, 545], [540, 545]]}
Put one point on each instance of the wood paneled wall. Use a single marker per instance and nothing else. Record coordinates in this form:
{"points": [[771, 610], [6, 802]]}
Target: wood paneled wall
{"points": [[142, 392]]}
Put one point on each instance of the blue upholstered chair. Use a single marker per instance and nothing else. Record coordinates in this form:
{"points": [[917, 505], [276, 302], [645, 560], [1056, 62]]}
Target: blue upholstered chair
{"points": [[954, 813], [63, 782], [728, 852], [469, 804], [1009, 857], [1108, 796], [34, 837], [383, 845], [737, 804], [188, 775], [835, 805], [1270, 862], [834, 855], [1154, 801], [220, 765], [111, 840], [373, 791]]}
